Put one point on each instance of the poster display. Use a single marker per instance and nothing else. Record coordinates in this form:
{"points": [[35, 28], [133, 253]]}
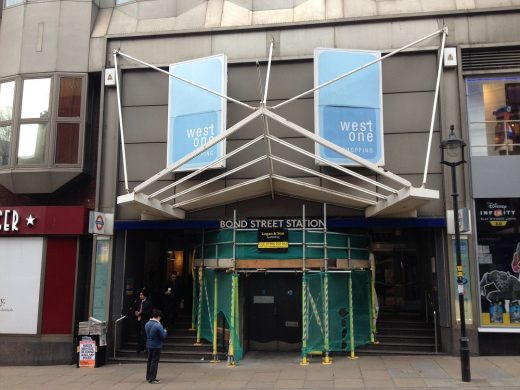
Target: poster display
{"points": [[498, 234], [87, 352], [196, 116], [349, 112], [101, 277], [466, 281], [20, 280]]}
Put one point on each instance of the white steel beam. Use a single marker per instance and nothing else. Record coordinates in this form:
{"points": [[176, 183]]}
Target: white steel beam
{"points": [[151, 205], [335, 148]]}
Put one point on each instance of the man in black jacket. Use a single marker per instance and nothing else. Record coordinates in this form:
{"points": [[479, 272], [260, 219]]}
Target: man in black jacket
{"points": [[142, 314]]}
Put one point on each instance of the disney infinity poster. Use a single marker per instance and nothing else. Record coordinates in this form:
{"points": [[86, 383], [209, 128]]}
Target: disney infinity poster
{"points": [[499, 261]]}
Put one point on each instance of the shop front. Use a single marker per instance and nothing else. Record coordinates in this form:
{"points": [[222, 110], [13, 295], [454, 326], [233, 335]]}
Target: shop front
{"points": [[42, 283]]}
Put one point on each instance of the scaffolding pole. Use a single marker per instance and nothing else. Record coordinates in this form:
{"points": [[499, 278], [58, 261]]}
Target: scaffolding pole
{"points": [[305, 320], [231, 352], [326, 346], [199, 315], [351, 317], [215, 316]]}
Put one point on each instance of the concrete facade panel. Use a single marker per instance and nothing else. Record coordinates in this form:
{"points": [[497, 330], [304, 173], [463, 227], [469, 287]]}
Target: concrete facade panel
{"points": [[353, 8], [144, 87], [302, 42], [272, 17], [162, 51], [213, 13], [406, 153], [101, 23], [11, 35], [300, 112], [387, 37], [287, 79], [145, 123], [487, 28], [144, 160], [40, 37], [73, 44], [410, 72], [157, 9], [96, 58], [236, 15], [246, 46], [309, 10], [121, 22], [408, 112], [486, 182], [334, 9]]}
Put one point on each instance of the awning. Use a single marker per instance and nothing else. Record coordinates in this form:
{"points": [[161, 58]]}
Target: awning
{"points": [[275, 175]]}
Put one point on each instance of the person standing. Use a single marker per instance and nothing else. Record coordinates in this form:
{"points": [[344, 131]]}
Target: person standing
{"points": [[155, 335], [172, 295], [142, 315]]}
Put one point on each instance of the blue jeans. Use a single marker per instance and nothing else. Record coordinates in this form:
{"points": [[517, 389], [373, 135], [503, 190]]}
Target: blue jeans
{"points": [[154, 354]]}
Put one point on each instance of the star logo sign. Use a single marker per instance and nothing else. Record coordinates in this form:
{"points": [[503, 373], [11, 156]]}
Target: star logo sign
{"points": [[31, 220]]}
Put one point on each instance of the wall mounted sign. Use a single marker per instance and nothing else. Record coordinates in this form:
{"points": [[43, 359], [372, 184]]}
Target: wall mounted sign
{"points": [[290, 223], [196, 116], [273, 240], [349, 112], [42, 220]]}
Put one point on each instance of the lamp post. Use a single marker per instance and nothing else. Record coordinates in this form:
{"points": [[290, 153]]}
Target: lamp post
{"points": [[452, 155]]}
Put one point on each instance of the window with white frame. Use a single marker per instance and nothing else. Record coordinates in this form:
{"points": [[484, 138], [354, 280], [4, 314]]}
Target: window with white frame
{"points": [[45, 129], [493, 105], [6, 120]]}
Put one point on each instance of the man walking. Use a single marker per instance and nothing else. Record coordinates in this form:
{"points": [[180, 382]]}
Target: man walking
{"points": [[155, 335]]}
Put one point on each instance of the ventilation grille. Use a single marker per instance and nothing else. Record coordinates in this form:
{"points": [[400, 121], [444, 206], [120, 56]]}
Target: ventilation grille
{"points": [[491, 58]]}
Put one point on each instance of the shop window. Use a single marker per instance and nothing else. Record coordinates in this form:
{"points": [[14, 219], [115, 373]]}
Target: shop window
{"points": [[493, 105], [498, 254]]}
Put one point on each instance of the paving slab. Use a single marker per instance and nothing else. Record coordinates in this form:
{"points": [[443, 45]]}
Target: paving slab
{"points": [[278, 371]]}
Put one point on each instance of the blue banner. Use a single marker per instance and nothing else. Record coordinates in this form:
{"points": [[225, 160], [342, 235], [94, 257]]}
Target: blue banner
{"points": [[196, 116], [349, 112]]}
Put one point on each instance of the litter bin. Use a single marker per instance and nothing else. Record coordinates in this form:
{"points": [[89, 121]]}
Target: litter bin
{"points": [[91, 344]]}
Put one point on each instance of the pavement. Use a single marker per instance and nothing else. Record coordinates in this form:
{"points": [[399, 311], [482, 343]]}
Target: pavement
{"points": [[278, 371]]}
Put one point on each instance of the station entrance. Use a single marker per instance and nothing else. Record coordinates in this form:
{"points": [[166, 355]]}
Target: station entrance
{"points": [[274, 311], [295, 300]]}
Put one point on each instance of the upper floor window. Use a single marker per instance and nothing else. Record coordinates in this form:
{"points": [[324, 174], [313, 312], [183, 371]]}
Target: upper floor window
{"points": [[6, 120], [46, 128], [493, 105], [9, 3]]}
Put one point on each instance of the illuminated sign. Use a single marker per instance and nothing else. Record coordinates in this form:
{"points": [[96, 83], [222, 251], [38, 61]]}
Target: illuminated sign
{"points": [[196, 116], [349, 112]]}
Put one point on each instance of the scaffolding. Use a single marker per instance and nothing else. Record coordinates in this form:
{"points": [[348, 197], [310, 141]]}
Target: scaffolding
{"points": [[338, 297]]}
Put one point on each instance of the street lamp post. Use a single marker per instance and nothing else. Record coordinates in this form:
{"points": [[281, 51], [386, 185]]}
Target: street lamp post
{"points": [[452, 153]]}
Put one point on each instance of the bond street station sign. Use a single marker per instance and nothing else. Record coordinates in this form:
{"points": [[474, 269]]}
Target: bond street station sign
{"points": [[290, 223]]}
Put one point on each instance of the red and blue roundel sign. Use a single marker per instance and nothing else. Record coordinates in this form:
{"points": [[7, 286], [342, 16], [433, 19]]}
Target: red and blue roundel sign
{"points": [[100, 222]]}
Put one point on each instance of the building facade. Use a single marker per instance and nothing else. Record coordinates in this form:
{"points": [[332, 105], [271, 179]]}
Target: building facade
{"points": [[86, 107]]}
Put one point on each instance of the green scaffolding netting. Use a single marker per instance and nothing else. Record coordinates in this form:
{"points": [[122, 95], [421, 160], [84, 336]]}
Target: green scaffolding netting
{"points": [[226, 295], [336, 311], [219, 244]]}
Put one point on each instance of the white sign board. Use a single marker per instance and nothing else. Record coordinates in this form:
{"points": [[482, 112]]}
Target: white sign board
{"points": [[21, 265]]}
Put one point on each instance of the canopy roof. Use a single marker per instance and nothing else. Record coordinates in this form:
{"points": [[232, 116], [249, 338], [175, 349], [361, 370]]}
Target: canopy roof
{"points": [[275, 175]]}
